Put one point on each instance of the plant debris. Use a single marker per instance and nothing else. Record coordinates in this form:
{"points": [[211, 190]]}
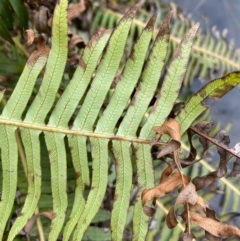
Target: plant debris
{"points": [[195, 209]]}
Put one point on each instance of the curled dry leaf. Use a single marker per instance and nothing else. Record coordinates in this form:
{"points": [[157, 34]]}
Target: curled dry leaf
{"points": [[74, 10], [190, 196], [201, 182], [29, 36], [75, 41], [42, 20], [192, 153], [171, 128], [188, 237], [43, 49], [165, 187], [203, 127], [236, 169], [212, 214], [167, 171], [172, 146], [214, 227], [171, 219], [74, 59], [236, 166], [187, 195], [218, 140]]}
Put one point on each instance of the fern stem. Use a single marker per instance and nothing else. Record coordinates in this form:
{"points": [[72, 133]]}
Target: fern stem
{"points": [[39, 227], [46, 128]]}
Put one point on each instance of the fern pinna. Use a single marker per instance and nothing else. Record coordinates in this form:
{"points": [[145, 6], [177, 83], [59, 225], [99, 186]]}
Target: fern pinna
{"points": [[210, 52], [99, 133]]}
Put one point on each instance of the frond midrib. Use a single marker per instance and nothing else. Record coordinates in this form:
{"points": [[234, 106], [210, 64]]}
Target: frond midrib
{"points": [[47, 128]]}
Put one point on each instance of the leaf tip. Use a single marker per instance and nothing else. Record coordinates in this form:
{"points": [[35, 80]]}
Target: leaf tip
{"points": [[151, 22], [132, 11]]}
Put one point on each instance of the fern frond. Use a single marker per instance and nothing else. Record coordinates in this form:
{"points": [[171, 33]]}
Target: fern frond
{"points": [[72, 96], [88, 113], [39, 109], [107, 122], [13, 110], [120, 117], [208, 54]]}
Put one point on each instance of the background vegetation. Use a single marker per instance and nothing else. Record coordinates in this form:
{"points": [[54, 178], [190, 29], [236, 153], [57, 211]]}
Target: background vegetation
{"points": [[210, 58]]}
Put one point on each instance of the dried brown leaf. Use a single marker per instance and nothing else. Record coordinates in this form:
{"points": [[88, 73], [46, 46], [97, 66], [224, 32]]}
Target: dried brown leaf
{"points": [[167, 186], [214, 227], [192, 153], [42, 20], [201, 182], [169, 148], [212, 214], [218, 140], [186, 196], [29, 36], [236, 169], [43, 49], [204, 127], [201, 205], [74, 10], [75, 41], [167, 171], [171, 128], [188, 237], [74, 60], [190, 196], [171, 218]]}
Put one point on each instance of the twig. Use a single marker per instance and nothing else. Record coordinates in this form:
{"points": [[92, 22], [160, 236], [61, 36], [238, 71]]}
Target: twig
{"points": [[214, 141]]}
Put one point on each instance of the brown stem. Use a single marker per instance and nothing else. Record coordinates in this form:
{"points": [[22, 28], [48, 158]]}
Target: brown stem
{"points": [[214, 141]]}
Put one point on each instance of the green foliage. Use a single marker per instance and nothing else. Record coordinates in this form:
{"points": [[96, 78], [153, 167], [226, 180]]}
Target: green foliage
{"points": [[8, 9], [210, 57], [112, 127]]}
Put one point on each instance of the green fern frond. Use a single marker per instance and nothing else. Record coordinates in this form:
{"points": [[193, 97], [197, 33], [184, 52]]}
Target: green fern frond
{"points": [[13, 110], [107, 128], [208, 54]]}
